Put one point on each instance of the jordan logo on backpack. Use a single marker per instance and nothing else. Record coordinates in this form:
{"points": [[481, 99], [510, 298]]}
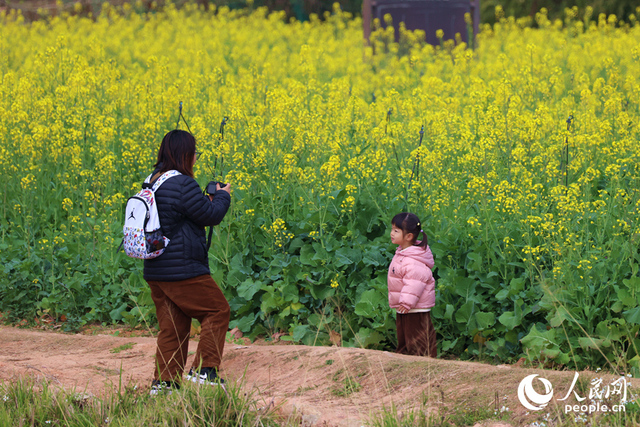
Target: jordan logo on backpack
{"points": [[143, 236]]}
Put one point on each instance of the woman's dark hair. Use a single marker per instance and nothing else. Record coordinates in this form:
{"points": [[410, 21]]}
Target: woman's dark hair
{"points": [[410, 223], [176, 152]]}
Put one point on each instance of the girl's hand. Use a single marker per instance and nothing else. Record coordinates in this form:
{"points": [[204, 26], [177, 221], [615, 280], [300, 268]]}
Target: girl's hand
{"points": [[402, 310]]}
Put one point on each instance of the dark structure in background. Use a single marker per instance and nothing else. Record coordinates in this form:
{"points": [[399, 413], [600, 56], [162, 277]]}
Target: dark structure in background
{"points": [[427, 15], [302, 9]]}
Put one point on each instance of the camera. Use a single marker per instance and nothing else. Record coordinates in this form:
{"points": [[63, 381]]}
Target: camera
{"points": [[211, 187]]}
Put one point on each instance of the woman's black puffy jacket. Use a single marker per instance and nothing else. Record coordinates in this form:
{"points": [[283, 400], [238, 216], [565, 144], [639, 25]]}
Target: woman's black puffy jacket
{"points": [[184, 213]]}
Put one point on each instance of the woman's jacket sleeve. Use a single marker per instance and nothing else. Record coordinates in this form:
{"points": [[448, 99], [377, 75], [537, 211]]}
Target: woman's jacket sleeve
{"points": [[198, 208]]}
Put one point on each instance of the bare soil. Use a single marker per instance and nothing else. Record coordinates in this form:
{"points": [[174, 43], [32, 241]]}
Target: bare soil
{"points": [[327, 386]]}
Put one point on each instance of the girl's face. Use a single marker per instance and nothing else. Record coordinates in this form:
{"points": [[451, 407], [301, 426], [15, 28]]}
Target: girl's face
{"points": [[398, 237]]}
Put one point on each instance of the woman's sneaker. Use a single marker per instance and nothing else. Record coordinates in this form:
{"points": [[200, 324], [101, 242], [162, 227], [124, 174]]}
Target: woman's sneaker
{"points": [[205, 376], [162, 387]]}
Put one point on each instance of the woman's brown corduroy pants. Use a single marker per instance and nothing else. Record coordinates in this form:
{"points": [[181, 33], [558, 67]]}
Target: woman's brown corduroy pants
{"points": [[176, 304]]}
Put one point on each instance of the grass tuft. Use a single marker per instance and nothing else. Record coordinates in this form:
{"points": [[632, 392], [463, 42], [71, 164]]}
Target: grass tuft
{"points": [[31, 402], [127, 346]]}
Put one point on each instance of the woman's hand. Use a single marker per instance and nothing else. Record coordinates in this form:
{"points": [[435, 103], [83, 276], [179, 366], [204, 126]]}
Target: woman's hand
{"points": [[402, 310], [226, 188]]}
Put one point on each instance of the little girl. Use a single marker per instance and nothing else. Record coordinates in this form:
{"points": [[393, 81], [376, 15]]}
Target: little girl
{"points": [[412, 287]]}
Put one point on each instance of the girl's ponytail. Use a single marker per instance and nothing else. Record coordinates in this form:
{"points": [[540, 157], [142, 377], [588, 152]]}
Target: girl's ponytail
{"points": [[425, 241]]}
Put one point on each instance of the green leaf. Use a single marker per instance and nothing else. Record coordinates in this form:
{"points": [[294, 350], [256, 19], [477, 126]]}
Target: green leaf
{"points": [[299, 332], [551, 353], [463, 315], [370, 303], [268, 301], [321, 292], [237, 263], [563, 358], [502, 295], [296, 244], [306, 256], [366, 337], [316, 320], [448, 314], [633, 283], [538, 340], [617, 306], [516, 285], [447, 345], [465, 287], [116, 313], [234, 278], [590, 343], [512, 337], [497, 346], [485, 320], [321, 253], [244, 323], [632, 316], [476, 261], [248, 289], [289, 292], [346, 256], [374, 258], [625, 297], [609, 330], [558, 318], [509, 319]]}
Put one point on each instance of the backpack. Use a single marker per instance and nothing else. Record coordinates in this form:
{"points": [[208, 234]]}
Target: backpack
{"points": [[143, 238]]}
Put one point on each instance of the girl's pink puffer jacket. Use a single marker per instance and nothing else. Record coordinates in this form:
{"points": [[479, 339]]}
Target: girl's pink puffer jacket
{"points": [[410, 280]]}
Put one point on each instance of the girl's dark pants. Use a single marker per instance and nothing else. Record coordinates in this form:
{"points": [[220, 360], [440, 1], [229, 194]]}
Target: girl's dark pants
{"points": [[416, 334], [176, 304]]}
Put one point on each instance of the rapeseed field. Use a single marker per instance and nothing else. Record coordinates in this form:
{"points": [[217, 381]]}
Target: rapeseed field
{"points": [[519, 154]]}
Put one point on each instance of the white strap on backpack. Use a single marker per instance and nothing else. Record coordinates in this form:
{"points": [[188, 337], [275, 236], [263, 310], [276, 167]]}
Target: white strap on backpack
{"points": [[143, 238], [153, 223]]}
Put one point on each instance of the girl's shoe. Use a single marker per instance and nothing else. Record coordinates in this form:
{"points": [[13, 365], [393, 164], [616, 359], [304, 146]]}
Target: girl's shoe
{"points": [[205, 376]]}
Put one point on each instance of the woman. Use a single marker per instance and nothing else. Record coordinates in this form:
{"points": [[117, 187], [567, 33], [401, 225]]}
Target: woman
{"points": [[181, 284]]}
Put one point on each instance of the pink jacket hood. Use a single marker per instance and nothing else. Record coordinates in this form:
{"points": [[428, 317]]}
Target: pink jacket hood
{"points": [[410, 279], [419, 254]]}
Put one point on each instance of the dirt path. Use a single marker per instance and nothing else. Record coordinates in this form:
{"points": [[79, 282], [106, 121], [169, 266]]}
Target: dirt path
{"points": [[330, 386]]}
